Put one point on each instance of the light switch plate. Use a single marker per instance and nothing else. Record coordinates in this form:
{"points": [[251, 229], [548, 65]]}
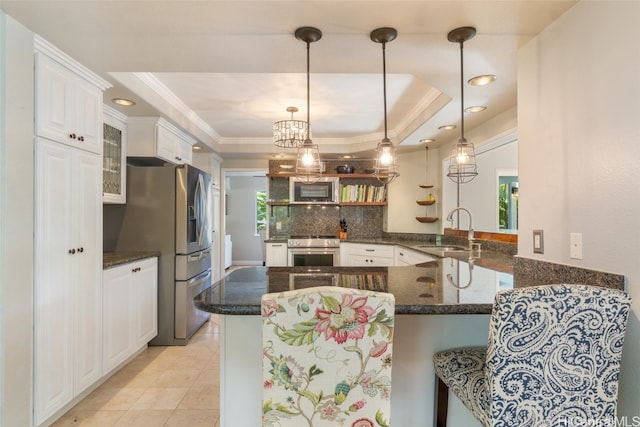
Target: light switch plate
{"points": [[538, 242], [575, 243]]}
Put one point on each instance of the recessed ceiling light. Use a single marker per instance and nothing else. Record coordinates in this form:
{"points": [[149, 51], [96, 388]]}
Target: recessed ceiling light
{"points": [[197, 147], [427, 140], [447, 127], [475, 109], [123, 101], [482, 80], [347, 156]]}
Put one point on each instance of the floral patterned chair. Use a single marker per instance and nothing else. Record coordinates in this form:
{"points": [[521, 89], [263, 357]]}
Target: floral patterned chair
{"points": [[553, 359], [326, 355]]}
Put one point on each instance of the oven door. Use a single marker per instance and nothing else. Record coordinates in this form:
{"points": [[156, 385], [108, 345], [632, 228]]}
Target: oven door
{"points": [[314, 257]]}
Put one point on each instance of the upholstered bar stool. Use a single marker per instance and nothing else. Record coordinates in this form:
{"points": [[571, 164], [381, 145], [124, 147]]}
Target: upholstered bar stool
{"points": [[326, 355], [552, 360]]}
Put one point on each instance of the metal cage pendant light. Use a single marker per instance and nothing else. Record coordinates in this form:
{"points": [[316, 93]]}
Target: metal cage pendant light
{"points": [[308, 164], [385, 168], [290, 133], [462, 162]]}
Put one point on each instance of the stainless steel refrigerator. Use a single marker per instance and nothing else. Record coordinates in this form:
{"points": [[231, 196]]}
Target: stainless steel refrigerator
{"points": [[167, 210]]}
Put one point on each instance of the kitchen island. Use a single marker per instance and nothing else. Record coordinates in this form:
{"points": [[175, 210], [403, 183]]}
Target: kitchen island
{"points": [[439, 304]]}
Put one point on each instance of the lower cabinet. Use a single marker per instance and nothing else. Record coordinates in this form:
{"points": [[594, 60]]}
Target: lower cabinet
{"points": [[359, 254], [371, 255], [130, 310], [276, 255]]}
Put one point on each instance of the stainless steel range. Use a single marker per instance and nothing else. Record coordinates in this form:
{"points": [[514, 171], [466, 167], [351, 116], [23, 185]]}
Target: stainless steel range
{"points": [[313, 251]]}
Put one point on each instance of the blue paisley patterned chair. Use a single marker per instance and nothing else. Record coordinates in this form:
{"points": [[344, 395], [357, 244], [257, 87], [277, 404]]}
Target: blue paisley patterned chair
{"points": [[552, 360], [326, 355]]}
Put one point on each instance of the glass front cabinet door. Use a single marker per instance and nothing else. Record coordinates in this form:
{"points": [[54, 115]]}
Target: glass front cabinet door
{"points": [[114, 161]]}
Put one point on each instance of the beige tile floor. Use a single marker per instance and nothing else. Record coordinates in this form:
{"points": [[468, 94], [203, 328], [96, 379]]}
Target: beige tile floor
{"points": [[163, 386]]}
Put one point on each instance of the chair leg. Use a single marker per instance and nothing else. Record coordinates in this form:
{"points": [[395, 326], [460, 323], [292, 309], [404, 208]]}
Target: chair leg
{"points": [[442, 403]]}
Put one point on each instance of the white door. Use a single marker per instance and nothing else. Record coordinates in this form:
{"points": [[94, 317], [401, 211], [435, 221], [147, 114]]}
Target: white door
{"points": [[54, 277], [118, 310], [87, 240], [145, 284]]}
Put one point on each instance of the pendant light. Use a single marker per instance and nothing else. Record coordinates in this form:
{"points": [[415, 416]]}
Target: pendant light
{"points": [[290, 133], [385, 168], [308, 164], [462, 162]]}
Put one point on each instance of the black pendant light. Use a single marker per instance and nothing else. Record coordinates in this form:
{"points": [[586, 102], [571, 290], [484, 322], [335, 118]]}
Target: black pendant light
{"points": [[385, 168], [308, 164], [462, 162]]}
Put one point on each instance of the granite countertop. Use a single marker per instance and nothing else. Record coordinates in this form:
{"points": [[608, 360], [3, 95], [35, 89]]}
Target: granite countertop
{"points": [[442, 286], [113, 259]]}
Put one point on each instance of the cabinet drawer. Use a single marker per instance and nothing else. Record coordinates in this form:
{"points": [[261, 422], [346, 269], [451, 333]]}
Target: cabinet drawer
{"points": [[371, 250]]}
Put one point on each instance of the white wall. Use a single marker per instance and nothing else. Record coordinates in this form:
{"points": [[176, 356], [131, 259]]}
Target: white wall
{"points": [[480, 196], [16, 222], [240, 218], [579, 133], [403, 192]]}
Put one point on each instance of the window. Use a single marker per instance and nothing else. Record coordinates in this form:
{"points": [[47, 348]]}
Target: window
{"points": [[261, 211]]}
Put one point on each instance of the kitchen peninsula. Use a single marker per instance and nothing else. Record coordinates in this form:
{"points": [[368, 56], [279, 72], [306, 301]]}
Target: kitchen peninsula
{"points": [[439, 304]]}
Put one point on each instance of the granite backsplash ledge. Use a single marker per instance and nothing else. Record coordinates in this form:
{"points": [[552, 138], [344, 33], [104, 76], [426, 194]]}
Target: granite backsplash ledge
{"points": [[531, 272]]}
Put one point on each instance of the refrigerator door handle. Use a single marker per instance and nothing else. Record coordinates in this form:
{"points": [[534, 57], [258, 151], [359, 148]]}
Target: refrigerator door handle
{"points": [[199, 200]]}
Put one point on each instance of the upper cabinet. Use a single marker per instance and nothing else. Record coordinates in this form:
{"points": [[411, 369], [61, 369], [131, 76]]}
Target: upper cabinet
{"points": [[114, 189], [156, 137], [69, 100]]}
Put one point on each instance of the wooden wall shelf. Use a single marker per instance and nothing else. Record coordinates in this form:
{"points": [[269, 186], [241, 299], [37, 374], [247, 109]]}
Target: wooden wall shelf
{"points": [[426, 219]]}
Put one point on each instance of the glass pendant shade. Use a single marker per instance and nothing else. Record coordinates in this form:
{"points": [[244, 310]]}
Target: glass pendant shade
{"points": [[290, 133], [462, 162], [308, 164], [385, 168]]}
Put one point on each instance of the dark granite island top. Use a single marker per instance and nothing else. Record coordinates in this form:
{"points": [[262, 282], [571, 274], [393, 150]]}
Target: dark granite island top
{"points": [[442, 286]]}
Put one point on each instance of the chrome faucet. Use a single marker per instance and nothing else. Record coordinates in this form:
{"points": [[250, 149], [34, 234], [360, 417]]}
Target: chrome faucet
{"points": [[450, 219]]}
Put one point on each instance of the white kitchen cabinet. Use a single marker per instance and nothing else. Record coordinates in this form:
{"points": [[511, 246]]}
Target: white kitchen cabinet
{"points": [[114, 160], [146, 308], [69, 108], [130, 315], [156, 137], [369, 255], [276, 255], [68, 294], [406, 256]]}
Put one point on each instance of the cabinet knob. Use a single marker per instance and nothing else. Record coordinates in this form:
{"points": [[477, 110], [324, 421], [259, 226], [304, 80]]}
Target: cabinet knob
{"points": [[72, 251], [72, 135], [81, 138], [80, 250]]}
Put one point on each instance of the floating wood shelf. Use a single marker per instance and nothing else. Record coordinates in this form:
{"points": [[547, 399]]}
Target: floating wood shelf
{"points": [[426, 186], [426, 279], [425, 202], [363, 203], [427, 218]]}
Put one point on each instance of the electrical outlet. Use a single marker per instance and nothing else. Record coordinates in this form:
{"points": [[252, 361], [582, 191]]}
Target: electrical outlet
{"points": [[278, 225], [575, 243], [538, 242]]}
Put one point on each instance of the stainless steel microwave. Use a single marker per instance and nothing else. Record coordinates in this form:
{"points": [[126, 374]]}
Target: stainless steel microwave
{"points": [[325, 191]]}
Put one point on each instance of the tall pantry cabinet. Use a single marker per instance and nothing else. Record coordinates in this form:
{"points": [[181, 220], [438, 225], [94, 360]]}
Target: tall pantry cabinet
{"points": [[68, 230]]}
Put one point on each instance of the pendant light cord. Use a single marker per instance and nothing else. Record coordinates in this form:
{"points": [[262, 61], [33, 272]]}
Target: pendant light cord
{"points": [[308, 86], [461, 91], [384, 86]]}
